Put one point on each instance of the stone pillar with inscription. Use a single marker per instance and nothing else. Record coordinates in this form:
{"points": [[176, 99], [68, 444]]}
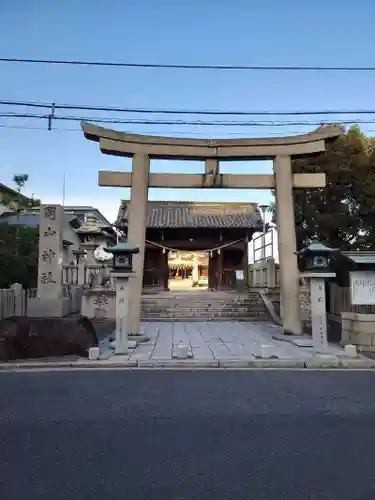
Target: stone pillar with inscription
{"points": [[49, 290], [318, 311], [122, 313]]}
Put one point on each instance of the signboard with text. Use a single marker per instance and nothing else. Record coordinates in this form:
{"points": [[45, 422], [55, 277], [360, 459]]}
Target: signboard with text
{"points": [[362, 287]]}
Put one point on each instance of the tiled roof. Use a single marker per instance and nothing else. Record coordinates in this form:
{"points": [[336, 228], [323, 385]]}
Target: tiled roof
{"points": [[167, 214]]}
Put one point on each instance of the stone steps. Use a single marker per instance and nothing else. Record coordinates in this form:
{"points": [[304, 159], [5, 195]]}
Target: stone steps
{"points": [[204, 306], [193, 319]]}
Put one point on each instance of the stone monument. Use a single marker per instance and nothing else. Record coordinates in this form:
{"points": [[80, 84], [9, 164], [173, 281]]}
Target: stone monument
{"points": [[50, 300]]}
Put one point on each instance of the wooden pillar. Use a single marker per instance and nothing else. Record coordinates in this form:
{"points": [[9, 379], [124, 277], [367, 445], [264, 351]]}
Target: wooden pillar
{"points": [[165, 270], [210, 273], [289, 273], [220, 269], [137, 234], [213, 276], [245, 261]]}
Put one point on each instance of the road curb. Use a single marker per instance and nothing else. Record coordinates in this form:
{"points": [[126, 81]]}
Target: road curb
{"points": [[178, 363], [308, 364], [277, 363], [357, 363], [233, 363], [315, 363]]}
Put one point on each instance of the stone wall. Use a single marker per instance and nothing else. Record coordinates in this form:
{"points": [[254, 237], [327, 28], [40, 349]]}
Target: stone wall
{"points": [[274, 296], [99, 304], [358, 329], [22, 337]]}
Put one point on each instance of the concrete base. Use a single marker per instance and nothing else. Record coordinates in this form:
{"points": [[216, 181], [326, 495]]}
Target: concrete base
{"points": [[132, 344], [288, 332], [141, 337], [138, 337], [303, 342]]}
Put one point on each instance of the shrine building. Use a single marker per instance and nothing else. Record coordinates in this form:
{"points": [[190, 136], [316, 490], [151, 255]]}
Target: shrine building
{"points": [[195, 244]]}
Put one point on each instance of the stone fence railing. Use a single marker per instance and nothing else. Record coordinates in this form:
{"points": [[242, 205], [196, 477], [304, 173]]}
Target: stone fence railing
{"points": [[73, 275], [70, 275], [264, 274], [14, 301]]}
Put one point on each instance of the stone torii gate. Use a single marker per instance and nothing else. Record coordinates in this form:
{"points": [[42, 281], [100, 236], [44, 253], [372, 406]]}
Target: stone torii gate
{"points": [[141, 148]]}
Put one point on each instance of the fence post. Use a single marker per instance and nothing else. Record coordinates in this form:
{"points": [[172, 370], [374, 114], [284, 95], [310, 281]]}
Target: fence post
{"points": [[18, 299], [271, 273], [81, 272]]}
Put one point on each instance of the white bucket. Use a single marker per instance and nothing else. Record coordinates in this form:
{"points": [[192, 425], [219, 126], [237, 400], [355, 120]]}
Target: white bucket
{"points": [[181, 351], [351, 351], [93, 353], [266, 351]]}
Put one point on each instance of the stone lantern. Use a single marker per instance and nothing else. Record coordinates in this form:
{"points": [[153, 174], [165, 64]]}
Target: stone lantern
{"points": [[122, 257], [316, 257], [315, 265], [122, 270]]}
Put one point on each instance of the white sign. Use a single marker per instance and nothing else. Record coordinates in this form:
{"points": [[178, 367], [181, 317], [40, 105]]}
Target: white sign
{"points": [[362, 287], [240, 274]]}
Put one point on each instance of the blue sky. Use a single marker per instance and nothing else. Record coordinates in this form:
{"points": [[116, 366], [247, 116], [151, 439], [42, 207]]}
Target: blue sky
{"points": [[239, 32]]}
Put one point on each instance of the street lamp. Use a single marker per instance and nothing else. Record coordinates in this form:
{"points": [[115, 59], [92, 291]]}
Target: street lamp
{"points": [[263, 209]]}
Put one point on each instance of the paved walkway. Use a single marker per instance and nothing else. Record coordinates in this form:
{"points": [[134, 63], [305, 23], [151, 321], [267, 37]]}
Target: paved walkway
{"points": [[215, 343], [222, 344]]}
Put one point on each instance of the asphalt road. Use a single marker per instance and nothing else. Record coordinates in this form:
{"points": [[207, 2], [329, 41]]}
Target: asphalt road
{"points": [[172, 435]]}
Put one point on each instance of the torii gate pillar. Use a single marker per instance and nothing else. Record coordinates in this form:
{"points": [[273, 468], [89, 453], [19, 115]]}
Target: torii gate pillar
{"points": [[289, 272], [137, 234]]}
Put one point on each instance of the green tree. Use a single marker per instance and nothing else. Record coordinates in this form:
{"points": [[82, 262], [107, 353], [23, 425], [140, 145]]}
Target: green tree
{"points": [[20, 181], [18, 255], [341, 214], [18, 202]]}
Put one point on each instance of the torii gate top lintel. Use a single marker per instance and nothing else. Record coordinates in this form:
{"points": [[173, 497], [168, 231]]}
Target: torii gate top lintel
{"points": [[126, 144]]}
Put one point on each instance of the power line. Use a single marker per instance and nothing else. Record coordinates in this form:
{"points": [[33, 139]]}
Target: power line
{"points": [[150, 132], [68, 62], [153, 132], [215, 123], [85, 107]]}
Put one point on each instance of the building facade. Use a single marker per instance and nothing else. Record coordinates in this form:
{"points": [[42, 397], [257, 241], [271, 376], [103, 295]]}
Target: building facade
{"points": [[197, 241]]}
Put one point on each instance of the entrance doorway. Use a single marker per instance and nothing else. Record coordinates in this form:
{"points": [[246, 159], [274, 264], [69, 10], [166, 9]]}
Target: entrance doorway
{"points": [[188, 270]]}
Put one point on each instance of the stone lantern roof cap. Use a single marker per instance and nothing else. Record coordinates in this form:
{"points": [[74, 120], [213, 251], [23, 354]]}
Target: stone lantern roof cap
{"points": [[316, 246], [122, 247]]}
